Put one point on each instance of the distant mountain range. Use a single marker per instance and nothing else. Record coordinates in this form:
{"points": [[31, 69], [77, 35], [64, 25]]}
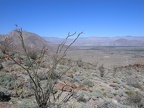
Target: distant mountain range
{"points": [[103, 41], [35, 41]]}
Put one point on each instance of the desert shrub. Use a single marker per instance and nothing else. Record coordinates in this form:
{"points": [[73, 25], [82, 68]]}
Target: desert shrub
{"points": [[83, 96], [6, 45], [73, 80], [134, 98], [88, 83], [42, 94], [27, 104], [80, 63], [27, 63], [55, 75], [1, 55], [2, 58], [1, 66], [32, 55], [110, 104], [42, 76], [132, 81], [19, 56], [96, 94], [114, 71], [7, 80], [102, 70], [107, 104]]}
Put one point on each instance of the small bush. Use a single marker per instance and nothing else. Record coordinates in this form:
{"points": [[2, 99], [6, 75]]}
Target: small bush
{"points": [[7, 80], [102, 70], [32, 55], [110, 104], [80, 63], [88, 83], [134, 97], [1, 66], [132, 81], [28, 104], [27, 63]]}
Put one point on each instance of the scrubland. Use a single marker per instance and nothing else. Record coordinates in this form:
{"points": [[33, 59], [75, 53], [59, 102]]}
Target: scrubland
{"points": [[87, 77], [102, 78]]}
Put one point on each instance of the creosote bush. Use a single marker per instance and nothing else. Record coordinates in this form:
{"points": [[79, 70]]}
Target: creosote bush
{"points": [[32, 55], [88, 83], [134, 98], [6, 45], [7, 80], [102, 70]]}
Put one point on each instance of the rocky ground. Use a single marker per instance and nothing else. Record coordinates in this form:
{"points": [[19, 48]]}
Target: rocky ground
{"points": [[83, 84]]}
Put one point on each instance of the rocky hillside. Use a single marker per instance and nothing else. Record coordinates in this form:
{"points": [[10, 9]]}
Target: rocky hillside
{"points": [[85, 85]]}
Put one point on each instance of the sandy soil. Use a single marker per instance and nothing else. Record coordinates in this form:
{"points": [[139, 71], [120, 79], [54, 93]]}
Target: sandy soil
{"points": [[109, 57]]}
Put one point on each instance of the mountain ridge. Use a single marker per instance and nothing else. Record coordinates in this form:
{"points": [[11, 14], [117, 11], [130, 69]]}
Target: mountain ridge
{"points": [[31, 40], [103, 41]]}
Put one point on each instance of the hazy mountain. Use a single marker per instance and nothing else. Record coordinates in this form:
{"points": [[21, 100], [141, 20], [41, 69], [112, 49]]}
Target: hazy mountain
{"points": [[104, 41], [31, 40], [35, 41], [2, 36]]}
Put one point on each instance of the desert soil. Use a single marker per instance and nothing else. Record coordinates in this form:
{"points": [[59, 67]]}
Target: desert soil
{"points": [[109, 56]]}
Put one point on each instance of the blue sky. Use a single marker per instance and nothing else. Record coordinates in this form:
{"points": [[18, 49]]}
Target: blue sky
{"points": [[55, 18]]}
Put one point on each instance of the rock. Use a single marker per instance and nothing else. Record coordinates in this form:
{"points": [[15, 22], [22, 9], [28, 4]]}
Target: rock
{"points": [[63, 87], [69, 74], [114, 85], [82, 87], [5, 106], [69, 83], [114, 81]]}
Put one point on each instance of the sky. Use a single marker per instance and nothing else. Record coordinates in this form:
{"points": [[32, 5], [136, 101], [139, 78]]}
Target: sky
{"points": [[55, 18]]}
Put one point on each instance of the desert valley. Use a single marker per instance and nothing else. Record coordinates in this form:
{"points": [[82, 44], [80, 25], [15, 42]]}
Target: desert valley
{"points": [[95, 72]]}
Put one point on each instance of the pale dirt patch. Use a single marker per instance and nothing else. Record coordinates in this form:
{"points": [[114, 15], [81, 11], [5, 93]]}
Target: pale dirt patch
{"points": [[107, 57]]}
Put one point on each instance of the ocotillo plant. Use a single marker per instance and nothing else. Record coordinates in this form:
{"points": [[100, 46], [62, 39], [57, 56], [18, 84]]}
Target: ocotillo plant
{"points": [[42, 94]]}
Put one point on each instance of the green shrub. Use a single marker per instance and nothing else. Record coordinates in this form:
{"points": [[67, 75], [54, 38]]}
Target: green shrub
{"points": [[1, 66], [133, 97], [28, 104], [80, 63], [131, 81], [88, 83], [32, 55], [102, 70], [7, 80], [96, 94], [27, 63], [110, 104]]}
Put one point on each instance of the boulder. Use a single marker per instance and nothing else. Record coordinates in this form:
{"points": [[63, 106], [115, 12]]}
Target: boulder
{"points": [[63, 87], [69, 74], [5, 106], [69, 83]]}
